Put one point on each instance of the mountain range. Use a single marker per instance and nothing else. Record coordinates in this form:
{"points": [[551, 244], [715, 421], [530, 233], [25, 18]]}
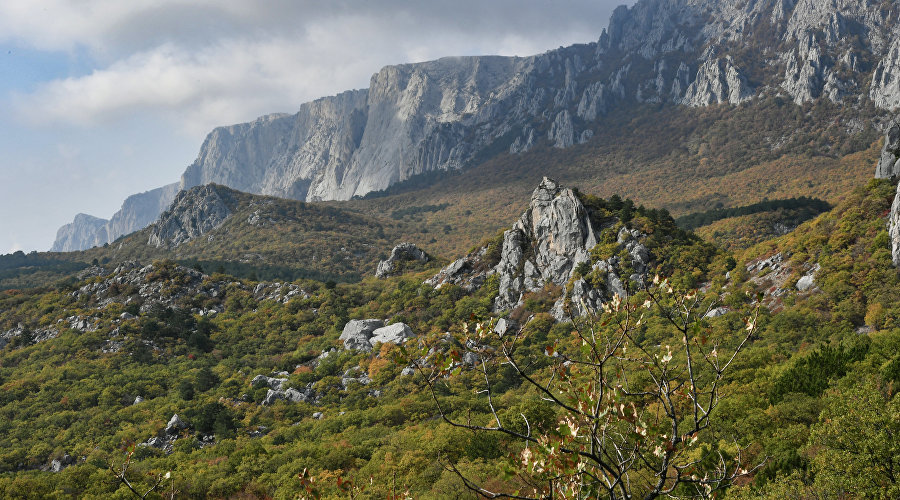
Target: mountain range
{"points": [[458, 112]]}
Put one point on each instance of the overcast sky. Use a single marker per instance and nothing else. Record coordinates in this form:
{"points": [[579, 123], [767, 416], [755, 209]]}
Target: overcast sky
{"points": [[101, 99]]}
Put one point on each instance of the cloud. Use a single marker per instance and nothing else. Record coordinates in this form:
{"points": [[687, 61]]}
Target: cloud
{"points": [[209, 63]]}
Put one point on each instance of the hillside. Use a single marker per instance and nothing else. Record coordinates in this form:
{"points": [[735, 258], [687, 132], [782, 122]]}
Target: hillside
{"points": [[265, 389]]}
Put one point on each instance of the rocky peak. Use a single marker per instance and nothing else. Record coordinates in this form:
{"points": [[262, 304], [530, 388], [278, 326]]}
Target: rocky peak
{"points": [[552, 236], [193, 213]]}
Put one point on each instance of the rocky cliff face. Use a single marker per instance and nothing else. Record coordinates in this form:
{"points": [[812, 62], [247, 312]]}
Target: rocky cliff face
{"points": [[439, 115], [193, 213], [83, 232]]}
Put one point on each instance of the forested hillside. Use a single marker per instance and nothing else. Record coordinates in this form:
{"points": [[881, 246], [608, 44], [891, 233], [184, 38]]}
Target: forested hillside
{"points": [[272, 404]]}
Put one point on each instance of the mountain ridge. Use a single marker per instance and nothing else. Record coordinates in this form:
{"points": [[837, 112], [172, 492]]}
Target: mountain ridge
{"points": [[445, 114]]}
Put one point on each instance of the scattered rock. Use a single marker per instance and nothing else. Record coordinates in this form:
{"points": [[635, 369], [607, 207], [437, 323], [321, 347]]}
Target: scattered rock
{"points": [[137, 400]]}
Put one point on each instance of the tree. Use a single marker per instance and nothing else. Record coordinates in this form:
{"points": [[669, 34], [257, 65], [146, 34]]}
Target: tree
{"points": [[633, 418]]}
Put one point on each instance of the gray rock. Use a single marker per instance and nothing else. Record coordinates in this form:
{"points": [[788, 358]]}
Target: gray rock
{"points": [[396, 333], [407, 371], [885, 88], [466, 272], [271, 382], [272, 396], [718, 81], [58, 464], [404, 252], [175, 425], [894, 228], [318, 415], [716, 312], [82, 233], [889, 163], [137, 400], [562, 132], [357, 333], [505, 326]]}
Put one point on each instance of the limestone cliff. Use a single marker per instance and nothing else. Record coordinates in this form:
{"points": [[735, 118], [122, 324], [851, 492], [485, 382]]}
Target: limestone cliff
{"points": [[83, 232]]}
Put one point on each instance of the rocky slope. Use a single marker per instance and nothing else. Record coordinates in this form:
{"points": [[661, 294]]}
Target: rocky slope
{"points": [[445, 114]]}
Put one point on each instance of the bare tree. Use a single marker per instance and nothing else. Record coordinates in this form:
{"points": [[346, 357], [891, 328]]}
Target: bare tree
{"points": [[121, 475], [632, 415]]}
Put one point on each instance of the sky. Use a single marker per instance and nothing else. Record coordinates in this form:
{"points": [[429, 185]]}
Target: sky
{"points": [[101, 99]]}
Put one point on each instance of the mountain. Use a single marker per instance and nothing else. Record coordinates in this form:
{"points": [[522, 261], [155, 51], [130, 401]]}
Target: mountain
{"points": [[456, 112], [137, 211], [81, 233]]}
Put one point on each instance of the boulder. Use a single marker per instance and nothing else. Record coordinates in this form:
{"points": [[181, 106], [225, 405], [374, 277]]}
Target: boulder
{"points": [[404, 252], [357, 333], [396, 333], [271, 382], [175, 425]]}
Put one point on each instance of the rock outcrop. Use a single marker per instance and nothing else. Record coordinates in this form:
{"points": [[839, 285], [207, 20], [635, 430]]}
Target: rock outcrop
{"points": [[889, 168], [558, 235], [404, 252], [193, 213], [889, 163], [718, 81]]}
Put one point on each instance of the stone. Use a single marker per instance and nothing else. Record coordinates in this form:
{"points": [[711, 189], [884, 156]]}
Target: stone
{"points": [[716, 312], [889, 163], [175, 425], [396, 333], [271, 382], [718, 81], [807, 282], [505, 326], [407, 371], [357, 333], [318, 415], [404, 252], [562, 132], [894, 228], [58, 464], [885, 88], [137, 400]]}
